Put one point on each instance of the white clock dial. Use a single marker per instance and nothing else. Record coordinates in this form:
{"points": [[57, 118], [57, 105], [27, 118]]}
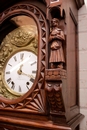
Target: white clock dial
{"points": [[20, 72]]}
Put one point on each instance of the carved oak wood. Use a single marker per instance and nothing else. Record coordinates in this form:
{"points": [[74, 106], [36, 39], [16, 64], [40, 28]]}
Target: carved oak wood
{"points": [[79, 3], [49, 104], [37, 90]]}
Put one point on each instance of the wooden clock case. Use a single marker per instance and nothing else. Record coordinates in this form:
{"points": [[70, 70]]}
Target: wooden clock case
{"points": [[53, 101]]}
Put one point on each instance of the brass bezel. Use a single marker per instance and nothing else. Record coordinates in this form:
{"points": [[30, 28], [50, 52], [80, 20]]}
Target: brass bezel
{"points": [[3, 74], [9, 43]]}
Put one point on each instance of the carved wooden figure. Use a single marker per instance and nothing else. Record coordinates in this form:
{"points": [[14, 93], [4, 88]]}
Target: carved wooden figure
{"points": [[38, 82], [55, 40]]}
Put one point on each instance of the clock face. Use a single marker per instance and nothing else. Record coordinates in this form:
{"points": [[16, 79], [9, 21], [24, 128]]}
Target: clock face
{"points": [[20, 72]]}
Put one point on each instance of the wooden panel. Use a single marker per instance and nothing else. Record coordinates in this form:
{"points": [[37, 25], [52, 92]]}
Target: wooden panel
{"points": [[33, 111], [72, 54]]}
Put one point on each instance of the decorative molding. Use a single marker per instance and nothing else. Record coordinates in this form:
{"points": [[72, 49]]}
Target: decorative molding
{"points": [[34, 100], [79, 3], [73, 17], [55, 74]]}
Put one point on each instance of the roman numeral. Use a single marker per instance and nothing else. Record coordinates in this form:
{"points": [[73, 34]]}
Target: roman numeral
{"points": [[8, 72], [10, 65], [34, 71], [33, 63], [32, 80], [20, 89], [27, 85], [8, 80], [15, 58], [21, 56], [13, 85]]}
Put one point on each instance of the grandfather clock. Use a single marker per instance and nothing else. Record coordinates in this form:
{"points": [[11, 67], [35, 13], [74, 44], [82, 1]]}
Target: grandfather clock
{"points": [[39, 65]]}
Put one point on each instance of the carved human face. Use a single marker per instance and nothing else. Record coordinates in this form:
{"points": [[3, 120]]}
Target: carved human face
{"points": [[55, 22]]}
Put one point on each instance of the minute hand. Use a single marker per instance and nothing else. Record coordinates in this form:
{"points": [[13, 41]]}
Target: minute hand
{"points": [[24, 61], [30, 76]]}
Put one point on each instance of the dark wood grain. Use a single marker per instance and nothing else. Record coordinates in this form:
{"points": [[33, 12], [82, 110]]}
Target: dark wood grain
{"points": [[53, 101]]}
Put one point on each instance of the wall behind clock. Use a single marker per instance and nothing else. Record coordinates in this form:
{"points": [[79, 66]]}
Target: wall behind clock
{"points": [[82, 23]]}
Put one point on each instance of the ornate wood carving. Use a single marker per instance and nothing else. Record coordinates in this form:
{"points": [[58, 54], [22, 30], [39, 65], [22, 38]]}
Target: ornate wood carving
{"points": [[78, 2], [51, 87], [54, 95], [51, 3], [55, 74], [22, 37], [54, 90], [31, 102], [56, 39], [54, 5]]}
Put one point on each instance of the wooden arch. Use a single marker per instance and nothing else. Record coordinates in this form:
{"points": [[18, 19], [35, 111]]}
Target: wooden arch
{"points": [[29, 100]]}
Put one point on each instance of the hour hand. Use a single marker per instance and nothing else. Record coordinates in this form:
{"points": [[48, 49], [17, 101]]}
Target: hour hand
{"points": [[20, 70]]}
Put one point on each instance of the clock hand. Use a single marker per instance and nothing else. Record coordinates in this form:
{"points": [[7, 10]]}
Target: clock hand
{"points": [[21, 63], [19, 71], [30, 76], [21, 67], [22, 73]]}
